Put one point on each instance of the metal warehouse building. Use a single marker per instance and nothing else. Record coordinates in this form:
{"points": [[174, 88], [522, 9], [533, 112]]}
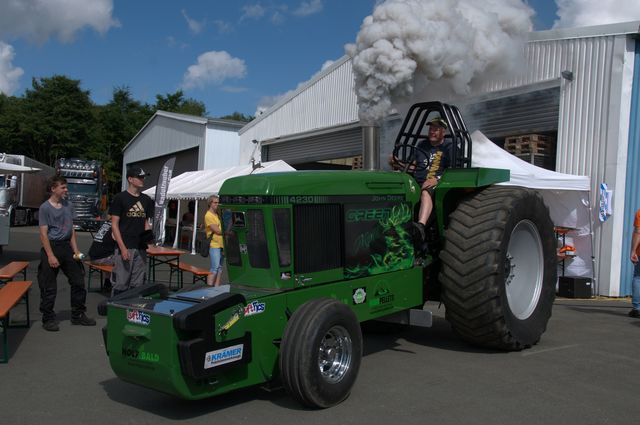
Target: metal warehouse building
{"points": [[581, 88], [197, 143]]}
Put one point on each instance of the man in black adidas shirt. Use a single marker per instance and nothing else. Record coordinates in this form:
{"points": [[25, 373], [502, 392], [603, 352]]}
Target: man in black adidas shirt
{"points": [[130, 212]]}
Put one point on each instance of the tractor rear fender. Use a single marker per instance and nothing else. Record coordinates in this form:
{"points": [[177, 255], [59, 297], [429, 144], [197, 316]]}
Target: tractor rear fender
{"points": [[458, 182]]}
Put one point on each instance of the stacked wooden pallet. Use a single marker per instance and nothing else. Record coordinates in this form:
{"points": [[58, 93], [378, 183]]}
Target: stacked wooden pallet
{"points": [[536, 149], [357, 163]]}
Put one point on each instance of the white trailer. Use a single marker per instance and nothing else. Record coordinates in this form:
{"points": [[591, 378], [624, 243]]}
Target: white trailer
{"points": [[23, 189]]}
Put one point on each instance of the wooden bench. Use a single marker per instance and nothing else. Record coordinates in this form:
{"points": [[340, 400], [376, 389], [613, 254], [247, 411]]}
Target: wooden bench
{"points": [[95, 268], [10, 294], [9, 271], [198, 273]]}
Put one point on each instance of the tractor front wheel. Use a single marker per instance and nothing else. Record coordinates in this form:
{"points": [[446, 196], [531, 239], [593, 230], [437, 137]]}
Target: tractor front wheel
{"points": [[499, 268], [320, 353]]}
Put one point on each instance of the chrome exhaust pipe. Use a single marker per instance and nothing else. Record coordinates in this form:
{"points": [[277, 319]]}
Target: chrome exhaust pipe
{"points": [[371, 147]]}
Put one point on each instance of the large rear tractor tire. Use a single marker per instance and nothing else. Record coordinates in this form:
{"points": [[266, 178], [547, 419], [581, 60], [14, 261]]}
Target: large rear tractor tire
{"points": [[499, 268], [320, 353]]}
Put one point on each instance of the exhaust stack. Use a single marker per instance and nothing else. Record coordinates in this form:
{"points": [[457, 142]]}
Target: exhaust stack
{"points": [[371, 147]]}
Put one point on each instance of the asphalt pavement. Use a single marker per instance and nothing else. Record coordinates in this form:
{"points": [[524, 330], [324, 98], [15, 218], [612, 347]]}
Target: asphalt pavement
{"points": [[585, 370]]}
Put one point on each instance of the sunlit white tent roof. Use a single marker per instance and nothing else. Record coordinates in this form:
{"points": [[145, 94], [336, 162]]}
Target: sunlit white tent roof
{"points": [[489, 155], [204, 183]]}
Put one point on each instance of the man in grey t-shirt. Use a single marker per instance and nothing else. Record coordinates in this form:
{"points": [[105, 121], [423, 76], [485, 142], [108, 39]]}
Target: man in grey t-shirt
{"points": [[58, 248]]}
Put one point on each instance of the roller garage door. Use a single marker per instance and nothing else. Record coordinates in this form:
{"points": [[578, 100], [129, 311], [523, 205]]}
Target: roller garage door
{"points": [[529, 112], [340, 143]]}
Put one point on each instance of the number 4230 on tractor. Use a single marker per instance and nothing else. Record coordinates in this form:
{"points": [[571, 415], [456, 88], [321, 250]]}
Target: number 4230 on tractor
{"points": [[312, 255]]}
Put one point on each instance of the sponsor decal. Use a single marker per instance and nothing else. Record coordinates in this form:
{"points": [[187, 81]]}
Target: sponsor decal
{"points": [[138, 317], [144, 356], [232, 321], [382, 298], [359, 295], [369, 214], [223, 356], [254, 307]]}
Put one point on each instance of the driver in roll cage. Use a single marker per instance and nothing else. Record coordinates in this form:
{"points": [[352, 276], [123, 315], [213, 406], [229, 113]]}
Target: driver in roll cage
{"points": [[431, 158]]}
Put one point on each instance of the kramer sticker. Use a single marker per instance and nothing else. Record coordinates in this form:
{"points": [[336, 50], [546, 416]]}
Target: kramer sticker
{"points": [[254, 307], [223, 356], [359, 295], [138, 317]]}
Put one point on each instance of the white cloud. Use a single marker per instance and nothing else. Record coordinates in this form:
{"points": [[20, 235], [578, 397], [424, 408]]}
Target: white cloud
{"points": [[222, 26], [277, 18], [582, 13], [41, 19], [195, 27], [253, 11], [234, 89], [9, 74], [173, 43], [307, 8], [213, 68]]}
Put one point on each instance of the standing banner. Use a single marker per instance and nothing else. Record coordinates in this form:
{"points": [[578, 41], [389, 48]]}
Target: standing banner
{"points": [[162, 187]]}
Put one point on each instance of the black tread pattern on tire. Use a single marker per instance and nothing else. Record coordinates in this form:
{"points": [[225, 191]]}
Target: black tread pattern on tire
{"points": [[472, 274], [299, 348]]}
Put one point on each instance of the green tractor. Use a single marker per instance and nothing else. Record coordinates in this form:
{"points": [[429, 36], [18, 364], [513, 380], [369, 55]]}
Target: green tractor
{"points": [[312, 255]]}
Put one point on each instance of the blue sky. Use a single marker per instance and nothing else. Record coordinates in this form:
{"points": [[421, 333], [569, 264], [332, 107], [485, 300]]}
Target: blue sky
{"points": [[231, 55]]}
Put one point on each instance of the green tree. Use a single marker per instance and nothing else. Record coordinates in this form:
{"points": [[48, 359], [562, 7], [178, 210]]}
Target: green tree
{"points": [[59, 119], [118, 121], [11, 115], [238, 116], [176, 102]]}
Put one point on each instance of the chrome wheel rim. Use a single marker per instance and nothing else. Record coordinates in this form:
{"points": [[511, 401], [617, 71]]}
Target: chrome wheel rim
{"points": [[335, 354]]}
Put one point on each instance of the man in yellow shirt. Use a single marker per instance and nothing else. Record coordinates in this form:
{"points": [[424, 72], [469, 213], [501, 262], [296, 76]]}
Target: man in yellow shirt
{"points": [[212, 225]]}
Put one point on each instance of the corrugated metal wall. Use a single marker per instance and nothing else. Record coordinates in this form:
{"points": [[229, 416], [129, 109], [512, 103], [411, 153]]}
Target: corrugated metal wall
{"points": [[327, 101], [164, 135], [632, 194]]}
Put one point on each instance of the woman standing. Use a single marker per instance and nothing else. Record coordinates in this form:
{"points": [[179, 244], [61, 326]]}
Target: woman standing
{"points": [[212, 225]]}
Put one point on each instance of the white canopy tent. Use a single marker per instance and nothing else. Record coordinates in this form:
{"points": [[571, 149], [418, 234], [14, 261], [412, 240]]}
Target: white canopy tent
{"points": [[198, 185], [566, 195]]}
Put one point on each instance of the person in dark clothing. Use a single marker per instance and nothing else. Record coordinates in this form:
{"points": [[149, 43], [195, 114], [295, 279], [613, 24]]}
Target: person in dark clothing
{"points": [[59, 247], [103, 248], [130, 212], [433, 158]]}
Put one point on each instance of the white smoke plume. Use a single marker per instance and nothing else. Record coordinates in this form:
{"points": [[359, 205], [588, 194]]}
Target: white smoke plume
{"points": [[582, 13], [416, 50]]}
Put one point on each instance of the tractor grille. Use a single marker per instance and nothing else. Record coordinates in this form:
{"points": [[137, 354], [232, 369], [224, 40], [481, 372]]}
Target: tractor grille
{"points": [[318, 237]]}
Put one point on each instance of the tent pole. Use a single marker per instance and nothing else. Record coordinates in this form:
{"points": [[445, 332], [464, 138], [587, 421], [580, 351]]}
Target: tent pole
{"points": [[195, 229], [177, 235]]}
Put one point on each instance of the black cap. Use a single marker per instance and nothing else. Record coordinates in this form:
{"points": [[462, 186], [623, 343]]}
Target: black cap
{"points": [[136, 171], [439, 122]]}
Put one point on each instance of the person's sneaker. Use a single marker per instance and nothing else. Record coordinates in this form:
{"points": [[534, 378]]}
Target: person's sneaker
{"points": [[634, 313], [51, 326], [83, 320]]}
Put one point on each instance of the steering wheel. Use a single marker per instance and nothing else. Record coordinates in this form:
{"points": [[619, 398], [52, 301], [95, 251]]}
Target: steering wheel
{"points": [[407, 153]]}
